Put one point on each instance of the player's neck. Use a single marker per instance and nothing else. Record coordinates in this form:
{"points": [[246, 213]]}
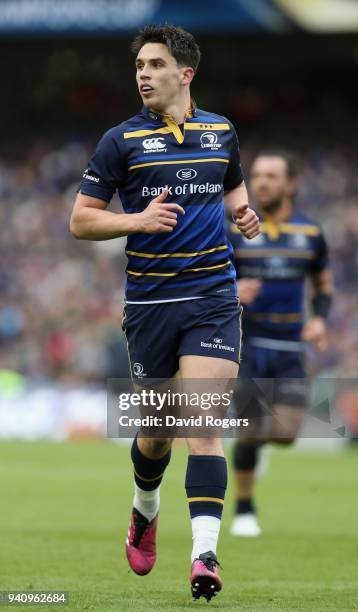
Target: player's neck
{"points": [[280, 214], [179, 109]]}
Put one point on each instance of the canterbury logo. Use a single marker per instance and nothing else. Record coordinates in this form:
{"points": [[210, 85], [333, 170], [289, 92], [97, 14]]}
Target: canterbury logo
{"points": [[153, 144]]}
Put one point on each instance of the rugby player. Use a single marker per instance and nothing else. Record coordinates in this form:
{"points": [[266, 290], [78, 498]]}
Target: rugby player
{"points": [[272, 270], [172, 163]]}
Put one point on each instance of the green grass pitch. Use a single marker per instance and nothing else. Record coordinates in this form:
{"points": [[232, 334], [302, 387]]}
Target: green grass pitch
{"points": [[64, 512]]}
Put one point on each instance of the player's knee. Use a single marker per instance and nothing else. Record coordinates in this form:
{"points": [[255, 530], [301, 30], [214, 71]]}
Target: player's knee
{"points": [[245, 456], [204, 446], [156, 447], [286, 435]]}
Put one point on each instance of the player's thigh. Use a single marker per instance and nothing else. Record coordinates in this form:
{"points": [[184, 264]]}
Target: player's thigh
{"points": [[290, 381], [254, 360], [212, 379], [201, 367], [209, 356], [287, 422], [210, 342], [155, 438], [152, 341], [290, 395], [250, 397], [152, 336]]}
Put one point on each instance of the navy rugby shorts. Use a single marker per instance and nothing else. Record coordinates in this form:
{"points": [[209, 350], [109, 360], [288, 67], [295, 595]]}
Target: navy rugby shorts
{"points": [[279, 374], [158, 334]]}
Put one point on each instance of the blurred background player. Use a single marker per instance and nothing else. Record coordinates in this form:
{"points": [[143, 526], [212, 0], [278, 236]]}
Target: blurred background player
{"points": [[272, 270]]}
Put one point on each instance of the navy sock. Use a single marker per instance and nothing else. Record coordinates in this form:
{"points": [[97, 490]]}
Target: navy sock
{"points": [[245, 456], [205, 483], [148, 473], [244, 506]]}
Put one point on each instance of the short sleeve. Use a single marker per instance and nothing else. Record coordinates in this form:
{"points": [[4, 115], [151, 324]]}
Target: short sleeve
{"points": [[106, 170], [321, 259], [234, 176]]}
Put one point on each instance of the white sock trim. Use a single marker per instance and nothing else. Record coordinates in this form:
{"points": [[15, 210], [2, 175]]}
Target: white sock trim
{"points": [[205, 531], [147, 502]]}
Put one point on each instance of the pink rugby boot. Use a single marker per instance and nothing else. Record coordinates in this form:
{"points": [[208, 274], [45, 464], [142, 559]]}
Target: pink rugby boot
{"points": [[140, 543], [205, 580]]}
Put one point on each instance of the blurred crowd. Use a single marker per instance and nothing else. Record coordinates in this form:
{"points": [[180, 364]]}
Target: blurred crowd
{"points": [[61, 300]]}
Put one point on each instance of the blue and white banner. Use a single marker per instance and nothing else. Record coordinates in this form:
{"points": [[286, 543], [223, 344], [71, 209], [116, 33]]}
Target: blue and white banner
{"points": [[29, 17]]}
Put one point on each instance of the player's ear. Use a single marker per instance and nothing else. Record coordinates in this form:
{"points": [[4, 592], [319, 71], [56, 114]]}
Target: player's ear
{"points": [[187, 75]]}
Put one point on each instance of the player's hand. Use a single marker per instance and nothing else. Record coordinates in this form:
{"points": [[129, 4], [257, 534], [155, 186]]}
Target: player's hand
{"points": [[160, 216], [315, 332], [247, 221], [248, 289]]}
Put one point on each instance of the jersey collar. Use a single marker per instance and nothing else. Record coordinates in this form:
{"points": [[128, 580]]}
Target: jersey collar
{"points": [[159, 118]]}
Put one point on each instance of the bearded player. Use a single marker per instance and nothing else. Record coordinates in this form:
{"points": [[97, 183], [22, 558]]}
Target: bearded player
{"points": [[272, 270], [173, 165]]}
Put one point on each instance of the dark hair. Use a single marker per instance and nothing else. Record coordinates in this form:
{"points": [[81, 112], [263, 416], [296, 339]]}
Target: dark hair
{"points": [[181, 44], [288, 158]]}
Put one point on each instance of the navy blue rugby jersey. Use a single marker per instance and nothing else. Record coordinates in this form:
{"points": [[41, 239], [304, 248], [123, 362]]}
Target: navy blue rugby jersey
{"points": [[281, 256], [196, 162]]}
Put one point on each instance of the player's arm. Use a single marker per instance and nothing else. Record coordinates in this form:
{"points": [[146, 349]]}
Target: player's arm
{"points": [[315, 330], [107, 172], [237, 202], [248, 288], [236, 198], [91, 221]]}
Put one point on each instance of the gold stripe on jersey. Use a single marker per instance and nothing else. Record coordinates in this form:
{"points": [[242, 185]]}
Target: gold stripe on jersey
{"points": [[274, 230], [139, 133], [212, 127], [307, 230], [180, 271], [181, 161], [223, 247], [208, 268], [173, 127]]}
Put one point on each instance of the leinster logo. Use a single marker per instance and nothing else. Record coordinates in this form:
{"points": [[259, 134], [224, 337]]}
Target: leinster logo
{"points": [[209, 140], [186, 174], [138, 370], [299, 241]]}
